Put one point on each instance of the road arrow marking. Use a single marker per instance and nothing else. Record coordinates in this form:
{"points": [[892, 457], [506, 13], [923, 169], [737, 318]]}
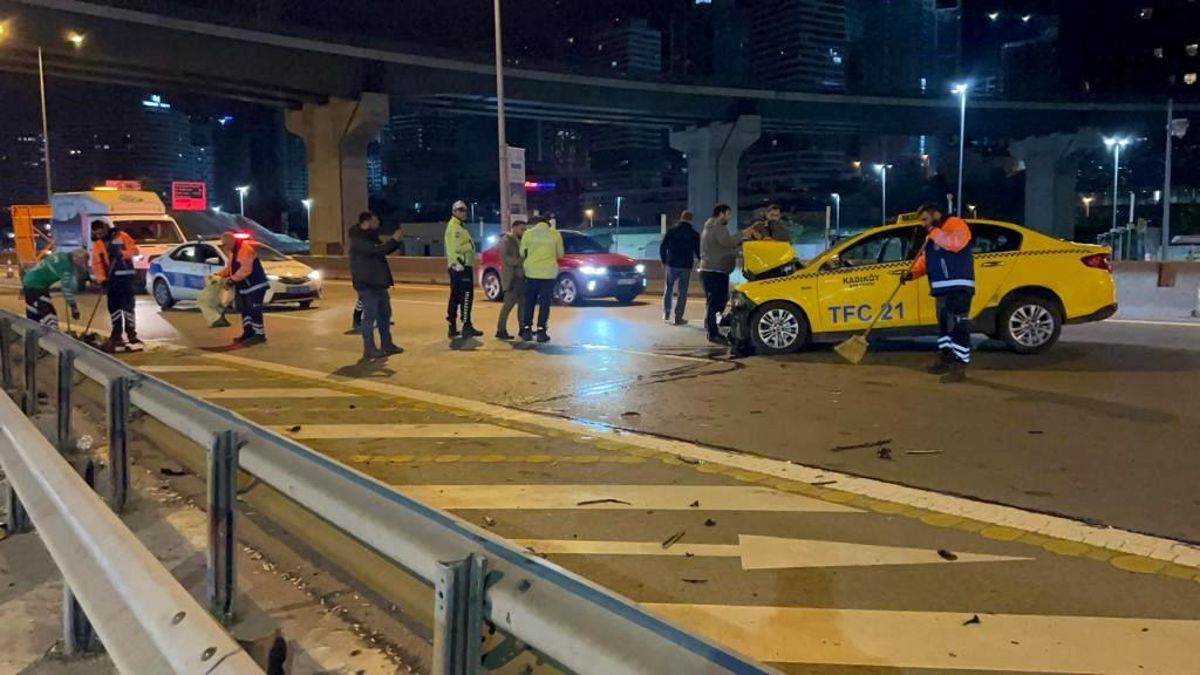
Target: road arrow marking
{"points": [[617, 497], [1008, 643], [768, 553], [340, 431]]}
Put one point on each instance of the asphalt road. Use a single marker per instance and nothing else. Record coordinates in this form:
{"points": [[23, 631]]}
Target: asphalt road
{"points": [[823, 573]]}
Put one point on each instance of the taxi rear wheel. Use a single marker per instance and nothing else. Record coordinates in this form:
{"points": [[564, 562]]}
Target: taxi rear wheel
{"points": [[778, 327], [1030, 324]]}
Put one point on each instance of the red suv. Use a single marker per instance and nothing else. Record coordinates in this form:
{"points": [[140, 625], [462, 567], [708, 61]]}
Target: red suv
{"points": [[587, 270]]}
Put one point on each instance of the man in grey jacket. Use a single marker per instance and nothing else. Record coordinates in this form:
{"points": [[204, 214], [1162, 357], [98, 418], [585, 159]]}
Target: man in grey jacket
{"points": [[718, 257], [512, 276]]}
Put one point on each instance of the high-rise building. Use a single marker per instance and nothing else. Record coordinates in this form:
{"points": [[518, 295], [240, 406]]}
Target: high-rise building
{"points": [[947, 43], [627, 46], [1150, 48], [799, 43], [708, 40], [892, 46], [418, 154]]}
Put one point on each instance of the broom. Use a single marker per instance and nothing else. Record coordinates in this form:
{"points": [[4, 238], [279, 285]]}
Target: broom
{"points": [[855, 348]]}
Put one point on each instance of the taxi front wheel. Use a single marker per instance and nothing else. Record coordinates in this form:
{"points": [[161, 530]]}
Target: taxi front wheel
{"points": [[778, 327]]}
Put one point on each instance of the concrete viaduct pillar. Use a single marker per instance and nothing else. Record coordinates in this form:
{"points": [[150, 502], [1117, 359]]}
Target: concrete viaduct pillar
{"points": [[1051, 167], [335, 136], [713, 153]]}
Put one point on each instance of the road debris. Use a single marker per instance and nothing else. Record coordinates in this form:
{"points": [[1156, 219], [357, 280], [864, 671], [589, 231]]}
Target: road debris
{"points": [[631, 413], [860, 446], [294, 429], [168, 471], [923, 452], [947, 555], [884, 453], [606, 500], [710, 522], [671, 540], [974, 620], [687, 460], [1036, 432], [695, 504], [489, 521], [695, 581], [822, 482]]}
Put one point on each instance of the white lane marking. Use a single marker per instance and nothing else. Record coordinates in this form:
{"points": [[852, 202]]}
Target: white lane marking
{"points": [[769, 553], [269, 394], [618, 497], [1148, 322], [184, 369], [905, 639], [1124, 541], [338, 431]]}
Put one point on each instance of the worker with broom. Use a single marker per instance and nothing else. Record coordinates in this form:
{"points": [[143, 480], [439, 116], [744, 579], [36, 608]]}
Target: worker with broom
{"points": [[58, 267], [113, 252], [947, 259]]}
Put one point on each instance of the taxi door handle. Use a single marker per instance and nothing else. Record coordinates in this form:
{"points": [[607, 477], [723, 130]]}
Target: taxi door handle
{"points": [[992, 263], [897, 273]]}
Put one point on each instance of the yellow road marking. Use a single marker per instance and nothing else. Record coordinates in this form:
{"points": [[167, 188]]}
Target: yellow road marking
{"points": [[617, 497], [349, 431], [267, 394]]}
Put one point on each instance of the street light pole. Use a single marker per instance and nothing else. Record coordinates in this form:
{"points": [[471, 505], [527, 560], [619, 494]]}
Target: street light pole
{"points": [[501, 136], [242, 190], [1115, 144], [45, 125], [1166, 217], [617, 234], [961, 90], [883, 169], [307, 202]]}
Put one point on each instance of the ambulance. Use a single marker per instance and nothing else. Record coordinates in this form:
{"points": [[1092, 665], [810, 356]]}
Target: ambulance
{"points": [[139, 214]]}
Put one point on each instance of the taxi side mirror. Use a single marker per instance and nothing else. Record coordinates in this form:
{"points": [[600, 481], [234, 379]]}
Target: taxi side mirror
{"points": [[831, 265]]}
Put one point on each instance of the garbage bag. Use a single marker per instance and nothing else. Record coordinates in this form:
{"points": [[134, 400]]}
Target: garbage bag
{"points": [[214, 300]]}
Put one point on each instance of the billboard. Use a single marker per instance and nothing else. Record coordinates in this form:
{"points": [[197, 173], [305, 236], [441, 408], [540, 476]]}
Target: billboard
{"points": [[188, 196], [516, 186]]}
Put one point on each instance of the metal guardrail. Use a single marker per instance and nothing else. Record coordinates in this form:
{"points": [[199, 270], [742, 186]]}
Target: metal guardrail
{"points": [[146, 620], [477, 576]]}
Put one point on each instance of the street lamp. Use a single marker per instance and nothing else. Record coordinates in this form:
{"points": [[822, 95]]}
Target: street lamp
{"points": [[307, 202], [961, 89], [216, 210], [837, 212], [75, 38], [1087, 205], [242, 190], [1115, 143], [591, 214], [617, 234], [882, 170], [974, 213]]}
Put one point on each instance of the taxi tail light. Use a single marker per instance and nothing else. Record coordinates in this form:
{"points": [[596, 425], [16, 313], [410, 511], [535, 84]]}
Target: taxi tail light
{"points": [[1099, 261], [241, 235]]}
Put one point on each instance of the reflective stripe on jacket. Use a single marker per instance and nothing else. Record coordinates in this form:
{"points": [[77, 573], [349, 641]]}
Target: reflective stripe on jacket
{"points": [[947, 258]]}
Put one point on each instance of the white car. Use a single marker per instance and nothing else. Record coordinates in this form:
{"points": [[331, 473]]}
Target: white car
{"points": [[180, 274]]}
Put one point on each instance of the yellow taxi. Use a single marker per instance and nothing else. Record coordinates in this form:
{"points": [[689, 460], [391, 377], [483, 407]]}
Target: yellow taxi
{"points": [[1027, 285]]}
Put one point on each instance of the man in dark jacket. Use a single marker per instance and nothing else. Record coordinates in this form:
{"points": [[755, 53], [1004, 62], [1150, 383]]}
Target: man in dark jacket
{"points": [[512, 276], [679, 250], [372, 278]]}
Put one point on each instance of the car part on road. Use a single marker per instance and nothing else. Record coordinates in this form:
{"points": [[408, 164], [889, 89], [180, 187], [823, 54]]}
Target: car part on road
{"points": [[1030, 324], [778, 327]]}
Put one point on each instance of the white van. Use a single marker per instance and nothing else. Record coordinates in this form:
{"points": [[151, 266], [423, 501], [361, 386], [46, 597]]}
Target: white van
{"points": [[139, 214]]}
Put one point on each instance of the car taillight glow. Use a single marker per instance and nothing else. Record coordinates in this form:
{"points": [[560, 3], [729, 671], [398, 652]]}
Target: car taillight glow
{"points": [[241, 235], [1099, 261]]}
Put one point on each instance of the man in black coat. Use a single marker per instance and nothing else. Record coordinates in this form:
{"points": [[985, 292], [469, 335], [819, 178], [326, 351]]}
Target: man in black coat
{"points": [[679, 250], [371, 276]]}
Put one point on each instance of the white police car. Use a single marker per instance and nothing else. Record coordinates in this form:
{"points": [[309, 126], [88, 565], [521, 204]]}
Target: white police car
{"points": [[180, 274]]}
